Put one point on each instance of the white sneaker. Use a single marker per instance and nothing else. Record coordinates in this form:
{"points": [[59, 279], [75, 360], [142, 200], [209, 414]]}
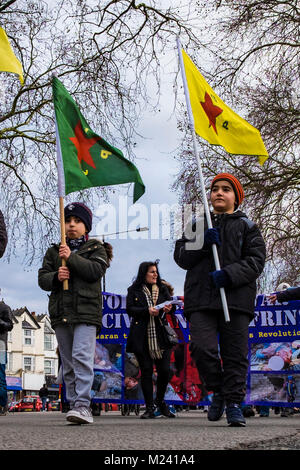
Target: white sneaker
{"points": [[80, 415]]}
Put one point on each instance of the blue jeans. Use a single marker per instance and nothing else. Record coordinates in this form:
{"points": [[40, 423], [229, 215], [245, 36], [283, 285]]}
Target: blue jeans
{"points": [[44, 403], [3, 386]]}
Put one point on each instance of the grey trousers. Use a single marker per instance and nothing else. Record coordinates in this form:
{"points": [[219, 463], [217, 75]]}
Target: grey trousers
{"points": [[76, 345]]}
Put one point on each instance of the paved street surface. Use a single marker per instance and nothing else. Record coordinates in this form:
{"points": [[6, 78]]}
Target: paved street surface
{"points": [[111, 432]]}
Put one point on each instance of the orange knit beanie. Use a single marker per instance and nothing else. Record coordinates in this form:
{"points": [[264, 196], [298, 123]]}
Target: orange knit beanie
{"points": [[237, 187]]}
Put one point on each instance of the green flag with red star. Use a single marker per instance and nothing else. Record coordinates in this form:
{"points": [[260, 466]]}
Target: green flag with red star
{"points": [[85, 159]]}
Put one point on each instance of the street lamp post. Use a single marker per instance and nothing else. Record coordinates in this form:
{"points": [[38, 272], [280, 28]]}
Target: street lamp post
{"points": [[139, 229]]}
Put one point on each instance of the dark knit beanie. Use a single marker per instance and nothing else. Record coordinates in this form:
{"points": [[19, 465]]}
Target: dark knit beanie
{"points": [[78, 209], [236, 185]]}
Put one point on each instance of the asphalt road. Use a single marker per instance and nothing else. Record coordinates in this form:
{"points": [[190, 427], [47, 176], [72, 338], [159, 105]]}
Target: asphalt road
{"points": [[189, 431]]}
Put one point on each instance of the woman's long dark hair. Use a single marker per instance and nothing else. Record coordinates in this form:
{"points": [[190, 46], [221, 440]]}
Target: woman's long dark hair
{"points": [[141, 275]]}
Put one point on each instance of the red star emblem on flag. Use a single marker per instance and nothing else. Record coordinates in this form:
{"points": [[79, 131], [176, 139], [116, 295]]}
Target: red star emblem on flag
{"points": [[211, 110], [83, 145]]}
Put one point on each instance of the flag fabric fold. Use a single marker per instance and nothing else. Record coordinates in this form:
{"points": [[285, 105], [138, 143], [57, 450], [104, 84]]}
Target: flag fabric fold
{"points": [[86, 159], [8, 60], [215, 122]]}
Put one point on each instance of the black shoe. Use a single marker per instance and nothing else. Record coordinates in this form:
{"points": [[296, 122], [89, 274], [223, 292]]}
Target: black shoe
{"points": [[149, 413], [234, 415], [248, 411], [216, 409], [163, 410], [3, 410]]}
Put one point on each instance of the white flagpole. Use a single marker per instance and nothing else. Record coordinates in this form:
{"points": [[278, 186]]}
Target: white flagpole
{"points": [[206, 206]]}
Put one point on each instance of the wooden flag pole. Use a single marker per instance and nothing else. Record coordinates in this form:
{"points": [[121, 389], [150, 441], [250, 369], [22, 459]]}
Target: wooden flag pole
{"points": [[61, 193], [63, 235], [206, 207]]}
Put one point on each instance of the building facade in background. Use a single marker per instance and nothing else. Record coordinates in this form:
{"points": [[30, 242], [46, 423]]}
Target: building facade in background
{"points": [[32, 358]]}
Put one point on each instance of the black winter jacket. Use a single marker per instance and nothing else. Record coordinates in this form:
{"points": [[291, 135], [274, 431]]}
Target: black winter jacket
{"points": [[137, 308], [3, 235], [44, 392], [82, 302], [242, 256], [6, 322], [293, 293]]}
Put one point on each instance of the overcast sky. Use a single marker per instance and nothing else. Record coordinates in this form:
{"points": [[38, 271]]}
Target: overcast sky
{"points": [[158, 168]]}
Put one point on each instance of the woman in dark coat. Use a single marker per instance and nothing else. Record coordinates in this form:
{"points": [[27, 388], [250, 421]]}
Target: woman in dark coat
{"points": [[147, 338]]}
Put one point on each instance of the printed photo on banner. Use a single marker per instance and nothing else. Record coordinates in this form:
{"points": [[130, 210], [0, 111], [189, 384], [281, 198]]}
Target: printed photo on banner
{"points": [[274, 389], [275, 356]]}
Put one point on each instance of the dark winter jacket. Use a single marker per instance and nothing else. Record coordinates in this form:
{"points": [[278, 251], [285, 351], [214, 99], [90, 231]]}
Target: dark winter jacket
{"points": [[3, 235], [44, 392], [6, 322], [137, 308], [292, 293], [82, 302], [242, 256]]}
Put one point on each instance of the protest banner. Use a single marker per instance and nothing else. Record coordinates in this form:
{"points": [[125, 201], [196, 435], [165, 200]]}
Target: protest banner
{"points": [[274, 358], [274, 354]]}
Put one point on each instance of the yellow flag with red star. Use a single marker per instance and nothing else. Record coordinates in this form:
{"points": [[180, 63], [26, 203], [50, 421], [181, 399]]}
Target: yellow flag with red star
{"points": [[215, 122], [8, 60]]}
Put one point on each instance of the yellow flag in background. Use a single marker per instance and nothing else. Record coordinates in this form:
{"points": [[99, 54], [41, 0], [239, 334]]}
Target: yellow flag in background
{"points": [[8, 60], [215, 122]]}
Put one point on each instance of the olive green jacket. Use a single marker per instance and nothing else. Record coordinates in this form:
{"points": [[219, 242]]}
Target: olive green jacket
{"points": [[82, 302]]}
